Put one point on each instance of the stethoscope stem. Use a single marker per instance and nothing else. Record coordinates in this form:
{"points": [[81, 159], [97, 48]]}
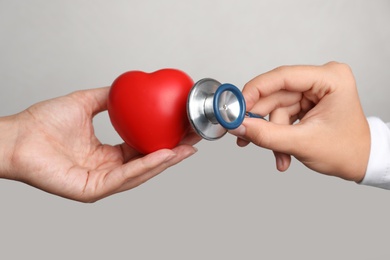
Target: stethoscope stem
{"points": [[253, 115]]}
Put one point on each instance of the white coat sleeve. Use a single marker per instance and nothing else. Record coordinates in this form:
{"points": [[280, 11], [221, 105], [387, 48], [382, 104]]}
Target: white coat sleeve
{"points": [[378, 168]]}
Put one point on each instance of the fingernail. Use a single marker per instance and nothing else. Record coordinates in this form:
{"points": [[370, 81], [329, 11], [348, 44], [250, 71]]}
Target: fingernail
{"points": [[279, 162], [239, 131], [192, 152]]}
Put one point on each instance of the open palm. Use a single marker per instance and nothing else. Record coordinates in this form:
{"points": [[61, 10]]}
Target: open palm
{"points": [[56, 150]]}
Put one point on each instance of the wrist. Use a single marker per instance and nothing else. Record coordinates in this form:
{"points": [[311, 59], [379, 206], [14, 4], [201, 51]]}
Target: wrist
{"points": [[8, 137]]}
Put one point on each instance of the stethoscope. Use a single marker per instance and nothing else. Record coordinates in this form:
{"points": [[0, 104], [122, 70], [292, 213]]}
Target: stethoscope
{"points": [[214, 108]]}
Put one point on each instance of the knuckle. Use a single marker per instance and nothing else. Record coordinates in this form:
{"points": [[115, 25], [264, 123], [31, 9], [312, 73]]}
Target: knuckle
{"points": [[281, 69], [341, 74], [340, 68]]}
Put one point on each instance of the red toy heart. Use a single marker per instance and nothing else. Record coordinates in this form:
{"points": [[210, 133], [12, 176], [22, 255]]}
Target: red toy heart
{"points": [[148, 110]]}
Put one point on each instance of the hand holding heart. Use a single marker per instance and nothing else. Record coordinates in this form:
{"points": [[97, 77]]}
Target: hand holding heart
{"points": [[149, 110], [52, 146]]}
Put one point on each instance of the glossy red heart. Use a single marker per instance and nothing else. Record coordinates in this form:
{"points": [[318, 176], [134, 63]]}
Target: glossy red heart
{"points": [[148, 110]]}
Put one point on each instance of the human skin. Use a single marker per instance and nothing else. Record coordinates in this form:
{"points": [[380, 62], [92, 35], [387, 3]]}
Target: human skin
{"points": [[52, 146], [315, 115]]}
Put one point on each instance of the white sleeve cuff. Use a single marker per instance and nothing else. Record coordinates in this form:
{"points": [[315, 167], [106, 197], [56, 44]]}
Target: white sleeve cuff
{"points": [[378, 168]]}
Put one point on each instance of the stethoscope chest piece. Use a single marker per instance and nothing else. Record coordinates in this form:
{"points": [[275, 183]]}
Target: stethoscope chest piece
{"points": [[213, 108]]}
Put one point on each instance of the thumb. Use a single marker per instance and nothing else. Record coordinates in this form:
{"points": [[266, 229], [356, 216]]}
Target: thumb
{"points": [[94, 100], [276, 137]]}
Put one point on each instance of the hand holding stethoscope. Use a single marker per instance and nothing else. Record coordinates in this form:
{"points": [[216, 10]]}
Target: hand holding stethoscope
{"points": [[214, 108]]}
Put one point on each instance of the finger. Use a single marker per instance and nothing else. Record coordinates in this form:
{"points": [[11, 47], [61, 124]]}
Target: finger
{"points": [[127, 152], [279, 99], [283, 161], [94, 100], [242, 142], [270, 136], [147, 163], [291, 78], [276, 137], [138, 166], [181, 152], [306, 106], [240, 132], [283, 116], [191, 138]]}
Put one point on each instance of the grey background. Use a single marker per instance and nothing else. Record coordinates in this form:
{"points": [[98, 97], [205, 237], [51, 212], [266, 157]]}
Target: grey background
{"points": [[225, 202]]}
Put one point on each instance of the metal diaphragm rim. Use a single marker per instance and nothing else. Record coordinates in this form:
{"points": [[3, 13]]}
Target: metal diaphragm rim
{"points": [[196, 113]]}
